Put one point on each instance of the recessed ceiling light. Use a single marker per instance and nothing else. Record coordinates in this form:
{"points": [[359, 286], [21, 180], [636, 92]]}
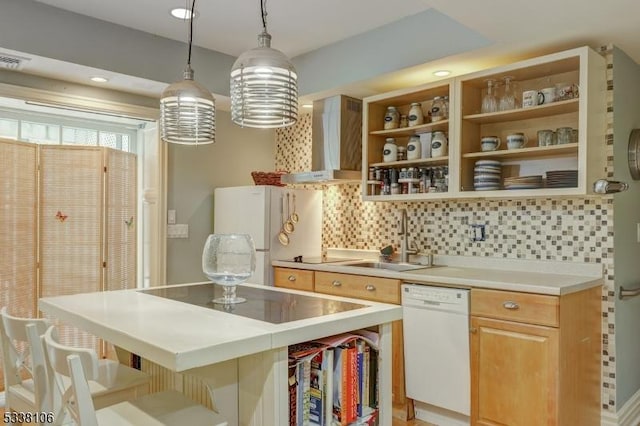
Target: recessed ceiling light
{"points": [[181, 13], [307, 105], [99, 79], [441, 73]]}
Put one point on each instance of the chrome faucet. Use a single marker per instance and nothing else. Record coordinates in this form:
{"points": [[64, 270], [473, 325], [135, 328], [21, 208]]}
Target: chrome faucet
{"points": [[405, 251]]}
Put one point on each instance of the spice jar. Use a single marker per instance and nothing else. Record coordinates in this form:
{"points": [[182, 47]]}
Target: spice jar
{"points": [[402, 153], [391, 118], [415, 114]]}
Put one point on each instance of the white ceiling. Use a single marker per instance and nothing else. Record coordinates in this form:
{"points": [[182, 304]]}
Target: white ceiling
{"points": [[516, 28], [232, 26], [300, 26]]}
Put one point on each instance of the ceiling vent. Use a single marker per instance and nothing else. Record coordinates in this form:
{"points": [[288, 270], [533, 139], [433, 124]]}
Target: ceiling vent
{"points": [[12, 62]]}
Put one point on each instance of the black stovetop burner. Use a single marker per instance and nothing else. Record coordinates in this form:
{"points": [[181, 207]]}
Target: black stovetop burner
{"points": [[267, 305]]}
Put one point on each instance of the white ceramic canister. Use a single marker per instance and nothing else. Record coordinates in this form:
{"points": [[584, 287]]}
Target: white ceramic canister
{"points": [[414, 148], [390, 151], [415, 114], [439, 145]]}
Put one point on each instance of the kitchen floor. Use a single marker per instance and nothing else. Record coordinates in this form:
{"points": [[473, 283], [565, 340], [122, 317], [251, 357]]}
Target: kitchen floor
{"points": [[397, 422]]}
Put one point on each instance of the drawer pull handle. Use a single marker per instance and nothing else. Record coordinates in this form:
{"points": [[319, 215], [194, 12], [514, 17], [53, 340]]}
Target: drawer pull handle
{"points": [[336, 283], [292, 277], [511, 305], [473, 330], [370, 287]]}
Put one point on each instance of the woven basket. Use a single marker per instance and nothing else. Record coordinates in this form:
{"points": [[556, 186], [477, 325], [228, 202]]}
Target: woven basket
{"points": [[268, 178]]}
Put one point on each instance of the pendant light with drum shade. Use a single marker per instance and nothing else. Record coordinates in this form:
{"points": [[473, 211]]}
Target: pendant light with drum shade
{"points": [[187, 108], [264, 85]]}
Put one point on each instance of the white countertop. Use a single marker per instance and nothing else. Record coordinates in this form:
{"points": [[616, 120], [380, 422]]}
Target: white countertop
{"points": [[181, 336], [528, 276]]}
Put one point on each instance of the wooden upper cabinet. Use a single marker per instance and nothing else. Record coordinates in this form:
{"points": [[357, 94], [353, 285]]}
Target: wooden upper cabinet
{"points": [[467, 124]]}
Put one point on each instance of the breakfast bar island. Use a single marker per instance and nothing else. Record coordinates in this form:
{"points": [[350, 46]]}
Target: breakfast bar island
{"points": [[240, 351]]}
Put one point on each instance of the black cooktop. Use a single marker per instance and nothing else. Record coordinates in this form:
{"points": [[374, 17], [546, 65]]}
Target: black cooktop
{"points": [[266, 304]]}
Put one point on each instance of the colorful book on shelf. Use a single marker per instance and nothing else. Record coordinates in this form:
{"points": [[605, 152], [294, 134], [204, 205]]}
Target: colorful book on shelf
{"points": [[340, 383], [373, 379], [345, 393], [371, 337], [303, 404], [365, 375], [352, 384], [321, 392], [293, 394], [360, 349], [305, 349]]}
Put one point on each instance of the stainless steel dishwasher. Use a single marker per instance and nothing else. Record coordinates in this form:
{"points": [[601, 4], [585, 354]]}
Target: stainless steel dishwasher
{"points": [[436, 346]]}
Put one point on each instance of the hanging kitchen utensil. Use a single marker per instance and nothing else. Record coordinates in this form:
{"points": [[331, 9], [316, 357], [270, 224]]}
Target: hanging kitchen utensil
{"points": [[282, 235], [294, 216], [288, 225]]}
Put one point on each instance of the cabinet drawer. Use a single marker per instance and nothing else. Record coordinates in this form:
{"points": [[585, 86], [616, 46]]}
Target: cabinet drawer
{"points": [[296, 279], [370, 288], [513, 306]]}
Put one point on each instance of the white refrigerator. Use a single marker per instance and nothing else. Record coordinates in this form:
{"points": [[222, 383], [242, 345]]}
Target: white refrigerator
{"points": [[260, 211]]}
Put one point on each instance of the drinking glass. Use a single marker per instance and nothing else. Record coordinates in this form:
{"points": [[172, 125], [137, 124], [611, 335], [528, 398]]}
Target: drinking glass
{"points": [[489, 101], [228, 260], [508, 98]]}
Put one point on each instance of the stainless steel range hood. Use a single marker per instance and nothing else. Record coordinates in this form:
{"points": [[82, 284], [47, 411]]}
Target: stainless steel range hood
{"points": [[336, 152]]}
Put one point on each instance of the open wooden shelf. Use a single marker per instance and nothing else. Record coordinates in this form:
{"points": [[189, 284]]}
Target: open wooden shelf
{"points": [[422, 161], [442, 126], [522, 153], [555, 108], [464, 128]]}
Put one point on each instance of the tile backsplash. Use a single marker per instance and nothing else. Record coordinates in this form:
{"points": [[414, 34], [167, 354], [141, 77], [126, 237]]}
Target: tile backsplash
{"points": [[559, 229]]}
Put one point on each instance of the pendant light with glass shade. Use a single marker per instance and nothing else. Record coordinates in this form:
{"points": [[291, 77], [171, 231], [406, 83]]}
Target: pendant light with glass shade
{"points": [[187, 108], [264, 85]]}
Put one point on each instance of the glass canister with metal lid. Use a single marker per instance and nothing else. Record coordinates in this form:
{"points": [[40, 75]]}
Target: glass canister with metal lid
{"points": [[391, 118], [439, 108]]}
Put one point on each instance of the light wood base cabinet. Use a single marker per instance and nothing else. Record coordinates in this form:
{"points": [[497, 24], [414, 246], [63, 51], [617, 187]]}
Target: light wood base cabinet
{"points": [[535, 360]]}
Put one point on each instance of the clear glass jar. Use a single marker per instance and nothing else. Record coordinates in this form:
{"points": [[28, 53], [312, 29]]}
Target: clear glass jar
{"points": [[391, 118], [439, 108]]}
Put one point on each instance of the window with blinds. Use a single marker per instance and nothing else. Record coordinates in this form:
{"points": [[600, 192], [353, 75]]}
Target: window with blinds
{"points": [[48, 130]]}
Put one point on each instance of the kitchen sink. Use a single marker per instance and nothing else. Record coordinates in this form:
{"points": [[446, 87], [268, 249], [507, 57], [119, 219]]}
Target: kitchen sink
{"points": [[393, 266]]}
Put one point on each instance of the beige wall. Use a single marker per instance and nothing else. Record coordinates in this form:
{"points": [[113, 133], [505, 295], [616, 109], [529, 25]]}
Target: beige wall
{"points": [[194, 172]]}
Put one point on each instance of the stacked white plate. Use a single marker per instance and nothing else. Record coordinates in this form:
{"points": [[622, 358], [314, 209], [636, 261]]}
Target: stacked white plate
{"points": [[523, 182], [562, 178], [487, 175]]}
